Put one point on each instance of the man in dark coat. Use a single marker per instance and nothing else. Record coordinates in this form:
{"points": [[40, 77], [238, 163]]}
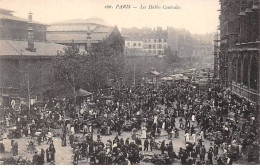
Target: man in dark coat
{"points": [[210, 157], [35, 159], [52, 152], [48, 154], [152, 144], [202, 153], [71, 138], [2, 146], [182, 156], [146, 143], [41, 158], [163, 146], [76, 156]]}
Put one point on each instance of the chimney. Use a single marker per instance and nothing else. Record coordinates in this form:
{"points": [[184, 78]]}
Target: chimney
{"points": [[30, 35], [88, 39]]}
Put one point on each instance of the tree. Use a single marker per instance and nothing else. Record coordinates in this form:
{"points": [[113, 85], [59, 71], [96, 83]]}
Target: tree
{"points": [[74, 70], [68, 66], [31, 76], [171, 58]]}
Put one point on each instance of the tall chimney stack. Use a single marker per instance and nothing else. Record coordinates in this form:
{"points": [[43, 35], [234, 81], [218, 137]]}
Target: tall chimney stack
{"points": [[30, 35]]}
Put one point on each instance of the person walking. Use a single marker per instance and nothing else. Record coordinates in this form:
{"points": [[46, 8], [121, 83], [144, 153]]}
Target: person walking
{"points": [[152, 144], [163, 146], [202, 153], [146, 143], [41, 158], [35, 159], [52, 152], [210, 157]]}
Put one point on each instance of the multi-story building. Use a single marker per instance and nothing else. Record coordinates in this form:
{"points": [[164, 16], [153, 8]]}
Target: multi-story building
{"points": [[240, 47], [25, 59], [149, 40], [135, 44], [155, 44]]}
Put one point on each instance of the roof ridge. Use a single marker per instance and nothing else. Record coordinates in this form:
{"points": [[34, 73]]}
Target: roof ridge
{"points": [[13, 47]]}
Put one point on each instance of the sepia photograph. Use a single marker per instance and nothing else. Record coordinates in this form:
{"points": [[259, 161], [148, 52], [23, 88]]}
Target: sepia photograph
{"points": [[129, 82]]}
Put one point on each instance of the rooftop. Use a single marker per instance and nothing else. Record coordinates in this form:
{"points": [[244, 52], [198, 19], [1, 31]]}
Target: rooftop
{"points": [[14, 48], [7, 14], [66, 32], [93, 20]]}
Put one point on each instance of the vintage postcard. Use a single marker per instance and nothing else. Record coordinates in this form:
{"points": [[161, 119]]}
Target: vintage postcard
{"points": [[129, 82]]}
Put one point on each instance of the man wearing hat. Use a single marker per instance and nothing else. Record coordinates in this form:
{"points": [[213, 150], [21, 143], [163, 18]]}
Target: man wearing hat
{"points": [[36, 158], [2, 146]]}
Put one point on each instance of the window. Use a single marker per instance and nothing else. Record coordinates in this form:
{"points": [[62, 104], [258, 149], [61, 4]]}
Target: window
{"points": [[134, 44], [165, 40], [144, 46], [149, 40], [154, 46], [159, 46], [150, 46], [245, 72], [139, 44], [254, 73], [128, 43], [155, 40], [160, 40]]}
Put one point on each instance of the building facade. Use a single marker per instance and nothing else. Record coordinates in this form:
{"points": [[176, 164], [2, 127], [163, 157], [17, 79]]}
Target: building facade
{"points": [[15, 28], [25, 60], [240, 47], [148, 40]]}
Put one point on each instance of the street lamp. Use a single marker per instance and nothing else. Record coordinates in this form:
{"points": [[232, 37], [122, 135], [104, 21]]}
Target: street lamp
{"points": [[119, 108], [10, 89]]}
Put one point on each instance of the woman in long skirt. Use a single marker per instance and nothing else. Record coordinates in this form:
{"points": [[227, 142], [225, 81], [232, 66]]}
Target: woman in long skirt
{"points": [[72, 130], [193, 118], [144, 132]]}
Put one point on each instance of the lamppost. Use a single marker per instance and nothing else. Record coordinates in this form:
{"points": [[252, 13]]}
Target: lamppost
{"points": [[10, 89], [119, 108]]}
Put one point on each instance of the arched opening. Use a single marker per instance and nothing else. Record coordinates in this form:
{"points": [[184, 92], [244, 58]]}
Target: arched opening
{"points": [[239, 69], [245, 70], [254, 73], [234, 69]]}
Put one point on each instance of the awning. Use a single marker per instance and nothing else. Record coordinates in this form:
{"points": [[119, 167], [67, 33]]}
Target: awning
{"points": [[83, 93], [167, 78], [155, 73]]}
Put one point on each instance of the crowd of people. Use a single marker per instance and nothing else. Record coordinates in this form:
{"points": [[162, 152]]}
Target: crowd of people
{"points": [[218, 127], [151, 109]]}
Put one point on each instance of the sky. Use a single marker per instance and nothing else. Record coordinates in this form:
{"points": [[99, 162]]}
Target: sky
{"points": [[197, 16]]}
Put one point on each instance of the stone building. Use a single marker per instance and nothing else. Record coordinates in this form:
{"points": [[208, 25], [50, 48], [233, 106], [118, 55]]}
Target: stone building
{"points": [[25, 59], [239, 47], [149, 40]]}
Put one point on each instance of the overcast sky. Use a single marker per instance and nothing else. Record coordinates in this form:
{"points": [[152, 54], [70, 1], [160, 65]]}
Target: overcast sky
{"points": [[197, 16]]}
